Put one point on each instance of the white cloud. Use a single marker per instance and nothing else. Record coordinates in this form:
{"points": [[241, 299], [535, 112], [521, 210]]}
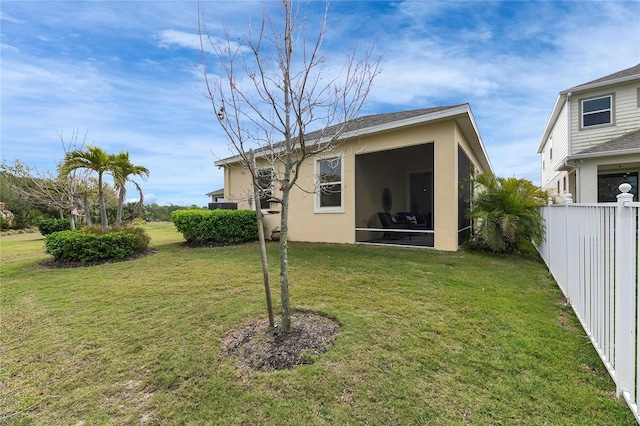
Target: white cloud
{"points": [[169, 38]]}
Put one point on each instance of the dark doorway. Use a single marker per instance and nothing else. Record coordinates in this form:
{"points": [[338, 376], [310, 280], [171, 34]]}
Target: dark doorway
{"points": [[421, 196], [608, 186]]}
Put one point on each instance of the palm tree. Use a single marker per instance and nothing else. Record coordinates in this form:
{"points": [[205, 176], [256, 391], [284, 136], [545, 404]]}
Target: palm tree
{"points": [[94, 159], [122, 169], [507, 213]]}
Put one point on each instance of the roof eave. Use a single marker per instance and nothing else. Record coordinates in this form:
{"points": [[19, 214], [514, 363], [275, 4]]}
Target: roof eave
{"points": [[614, 153], [601, 84]]}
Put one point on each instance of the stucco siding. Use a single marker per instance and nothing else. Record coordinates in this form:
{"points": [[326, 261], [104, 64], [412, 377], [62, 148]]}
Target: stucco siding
{"points": [[626, 117]]}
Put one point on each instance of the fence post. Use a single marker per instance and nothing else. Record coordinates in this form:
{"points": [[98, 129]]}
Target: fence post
{"points": [[569, 255], [625, 294]]}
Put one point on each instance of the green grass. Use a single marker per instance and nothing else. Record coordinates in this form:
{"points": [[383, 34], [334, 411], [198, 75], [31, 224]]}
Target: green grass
{"points": [[427, 338]]}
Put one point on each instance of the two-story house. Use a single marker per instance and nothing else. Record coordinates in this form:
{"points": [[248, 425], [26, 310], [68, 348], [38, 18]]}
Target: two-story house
{"points": [[592, 141]]}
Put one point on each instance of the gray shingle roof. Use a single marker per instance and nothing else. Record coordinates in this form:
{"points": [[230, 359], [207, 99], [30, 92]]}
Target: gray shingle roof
{"points": [[634, 70], [624, 142], [379, 119]]}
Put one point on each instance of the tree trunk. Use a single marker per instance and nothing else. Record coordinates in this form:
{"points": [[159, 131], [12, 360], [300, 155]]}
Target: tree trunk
{"points": [[121, 196], [284, 262], [87, 211], [263, 245], [103, 207]]}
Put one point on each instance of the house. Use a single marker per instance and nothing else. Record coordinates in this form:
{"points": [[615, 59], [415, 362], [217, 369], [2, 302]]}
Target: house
{"points": [[592, 141], [217, 196], [411, 162]]}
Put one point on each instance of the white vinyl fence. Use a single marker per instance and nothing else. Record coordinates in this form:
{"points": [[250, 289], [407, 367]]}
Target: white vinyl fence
{"points": [[592, 252]]}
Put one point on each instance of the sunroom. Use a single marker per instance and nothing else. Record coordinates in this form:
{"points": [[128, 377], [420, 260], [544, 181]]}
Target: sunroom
{"points": [[395, 196]]}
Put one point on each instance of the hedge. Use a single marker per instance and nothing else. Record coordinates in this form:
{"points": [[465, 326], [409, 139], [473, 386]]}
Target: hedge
{"points": [[49, 226], [86, 246], [216, 226]]}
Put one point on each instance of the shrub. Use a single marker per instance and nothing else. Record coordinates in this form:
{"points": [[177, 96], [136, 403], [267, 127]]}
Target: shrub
{"points": [[83, 246], [49, 226], [506, 213], [216, 226]]}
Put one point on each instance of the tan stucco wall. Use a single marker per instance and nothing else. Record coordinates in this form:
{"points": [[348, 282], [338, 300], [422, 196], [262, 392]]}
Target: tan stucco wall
{"points": [[307, 225]]}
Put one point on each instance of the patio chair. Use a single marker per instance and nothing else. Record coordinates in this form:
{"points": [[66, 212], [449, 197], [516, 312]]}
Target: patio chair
{"points": [[389, 222], [416, 221]]}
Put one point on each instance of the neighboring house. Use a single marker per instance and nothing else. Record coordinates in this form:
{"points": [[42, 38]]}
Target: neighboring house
{"points": [[412, 161], [592, 141], [217, 196]]}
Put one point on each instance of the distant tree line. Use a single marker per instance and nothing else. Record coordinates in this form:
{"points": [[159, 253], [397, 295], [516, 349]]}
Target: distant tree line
{"points": [[76, 190]]}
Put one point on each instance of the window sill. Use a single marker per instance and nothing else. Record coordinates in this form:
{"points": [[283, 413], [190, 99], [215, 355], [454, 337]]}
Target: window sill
{"points": [[329, 211]]}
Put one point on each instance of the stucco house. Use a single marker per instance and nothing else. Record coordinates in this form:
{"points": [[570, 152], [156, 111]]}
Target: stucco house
{"points": [[591, 143], [404, 166]]}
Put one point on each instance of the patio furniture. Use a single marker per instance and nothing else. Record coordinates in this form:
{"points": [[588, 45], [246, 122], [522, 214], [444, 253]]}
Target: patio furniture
{"points": [[416, 221], [391, 222]]}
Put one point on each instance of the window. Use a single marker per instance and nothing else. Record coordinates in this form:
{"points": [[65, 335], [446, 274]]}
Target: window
{"points": [[265, 178], [564, 184], [329, 189], [597, 111]]}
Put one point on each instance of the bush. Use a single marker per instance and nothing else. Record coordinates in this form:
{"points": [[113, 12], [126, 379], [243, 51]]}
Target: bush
{"points": [[216, 226], [83, 246], [506, 213], [49, 226]]}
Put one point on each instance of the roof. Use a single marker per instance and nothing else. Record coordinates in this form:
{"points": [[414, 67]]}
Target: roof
{"points": [[377, 123], [217, 192], [615, 78], [627, 143]]}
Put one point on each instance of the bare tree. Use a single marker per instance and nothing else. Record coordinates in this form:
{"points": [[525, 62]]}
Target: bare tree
{"points": [[274, 86], [60, 192]]}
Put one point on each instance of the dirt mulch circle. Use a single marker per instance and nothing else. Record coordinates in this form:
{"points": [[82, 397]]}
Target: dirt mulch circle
{"points": [[258, 348]]}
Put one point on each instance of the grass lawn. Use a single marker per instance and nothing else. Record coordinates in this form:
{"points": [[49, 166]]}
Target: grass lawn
{"points": [[427, 337]]}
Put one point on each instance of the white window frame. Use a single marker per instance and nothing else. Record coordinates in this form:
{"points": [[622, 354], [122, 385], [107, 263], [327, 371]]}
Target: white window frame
{"points": [[334, 209], [610, 109]]}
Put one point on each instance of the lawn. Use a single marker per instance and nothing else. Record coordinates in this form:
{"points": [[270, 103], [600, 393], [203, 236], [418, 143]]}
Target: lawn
{"points": [[426, 337]]}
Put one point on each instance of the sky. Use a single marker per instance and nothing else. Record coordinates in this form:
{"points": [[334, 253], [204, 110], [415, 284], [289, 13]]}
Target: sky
{"points": [[127, 74]]}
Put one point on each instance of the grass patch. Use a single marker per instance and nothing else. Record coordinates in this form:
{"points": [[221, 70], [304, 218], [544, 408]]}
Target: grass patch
{"points": [[426, 337]]}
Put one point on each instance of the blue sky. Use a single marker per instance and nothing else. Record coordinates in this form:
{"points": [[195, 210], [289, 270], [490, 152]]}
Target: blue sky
{"points": [[127, 74]]}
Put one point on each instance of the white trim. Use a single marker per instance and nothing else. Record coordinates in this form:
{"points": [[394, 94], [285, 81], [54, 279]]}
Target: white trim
{"points": [[317, 208]]}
